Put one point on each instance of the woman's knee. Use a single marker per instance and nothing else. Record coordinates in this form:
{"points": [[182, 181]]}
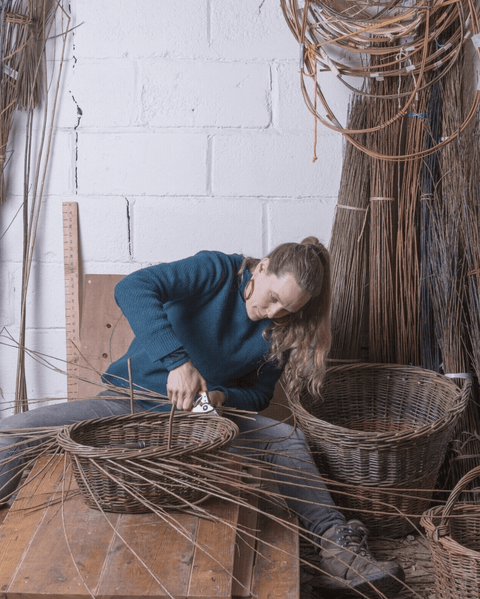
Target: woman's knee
{"points": [[28, 419]]}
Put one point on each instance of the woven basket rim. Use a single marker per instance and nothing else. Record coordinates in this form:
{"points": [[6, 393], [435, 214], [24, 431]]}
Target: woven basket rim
{"points": [[406, 434], [444, 512], [70, 446], [446, 541]]}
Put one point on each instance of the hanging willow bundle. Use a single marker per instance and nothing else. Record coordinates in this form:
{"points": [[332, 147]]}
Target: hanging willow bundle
{"points": [[25, 27], [348, 247], [14, 34]]}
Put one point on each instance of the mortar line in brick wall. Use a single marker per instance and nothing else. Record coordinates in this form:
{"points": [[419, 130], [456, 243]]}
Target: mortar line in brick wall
{"points": [[266, 232], [209, 166]]}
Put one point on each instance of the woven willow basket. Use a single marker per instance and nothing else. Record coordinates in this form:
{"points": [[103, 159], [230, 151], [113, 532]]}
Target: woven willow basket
{"points": [[453, 532], [123, 463], [387, 510], [381, 426]]}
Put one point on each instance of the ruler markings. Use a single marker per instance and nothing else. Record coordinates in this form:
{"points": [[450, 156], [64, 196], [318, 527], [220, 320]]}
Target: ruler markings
{"points": [[72, 293]]}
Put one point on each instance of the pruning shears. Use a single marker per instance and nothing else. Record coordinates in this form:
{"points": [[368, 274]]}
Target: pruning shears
{"points": [[202, 404]]}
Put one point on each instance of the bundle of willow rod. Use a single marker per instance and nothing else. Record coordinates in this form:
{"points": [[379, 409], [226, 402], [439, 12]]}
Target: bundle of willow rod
{"points": [[14, 33], [382, 40], [348, 247], [431, 358], [407, 268], [447, 222], [448, 269], [466, 449], [23, 27], [29, 73], [381, 261], [472, 244]]}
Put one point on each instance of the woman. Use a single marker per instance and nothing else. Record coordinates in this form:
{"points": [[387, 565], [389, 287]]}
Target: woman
{"points": [[230, 325]]}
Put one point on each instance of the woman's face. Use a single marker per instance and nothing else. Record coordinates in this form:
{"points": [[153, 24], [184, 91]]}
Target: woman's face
{"points": [[274, 297]]}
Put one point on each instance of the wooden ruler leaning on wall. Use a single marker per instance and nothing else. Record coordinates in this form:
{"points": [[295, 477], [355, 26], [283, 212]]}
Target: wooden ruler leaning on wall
{"points": [[97, 333], [72, 294]]}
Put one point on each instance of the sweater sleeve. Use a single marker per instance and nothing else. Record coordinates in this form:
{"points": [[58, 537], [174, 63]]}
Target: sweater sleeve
{"points": [[253, 391], [143, 294]]}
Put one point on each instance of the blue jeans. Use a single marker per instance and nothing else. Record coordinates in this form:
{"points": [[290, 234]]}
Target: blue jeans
{"points": [[260, 439]]}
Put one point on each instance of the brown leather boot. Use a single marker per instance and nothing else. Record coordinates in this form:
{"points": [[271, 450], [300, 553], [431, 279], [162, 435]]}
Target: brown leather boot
{"points": [[348, 564]]}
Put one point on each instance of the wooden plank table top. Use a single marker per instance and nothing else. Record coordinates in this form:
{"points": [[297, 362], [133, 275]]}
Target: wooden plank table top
{"points": [[62, 549]]}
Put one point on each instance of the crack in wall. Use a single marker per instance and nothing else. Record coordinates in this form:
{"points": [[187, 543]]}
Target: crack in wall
{"points": [[129, 228], [79, 118]]}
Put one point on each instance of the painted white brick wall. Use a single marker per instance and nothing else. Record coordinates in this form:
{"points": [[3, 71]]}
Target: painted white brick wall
{"points": [[180, 126]]}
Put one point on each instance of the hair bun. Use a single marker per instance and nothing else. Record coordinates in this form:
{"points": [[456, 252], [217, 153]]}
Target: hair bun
{"points": [[311, 241]]}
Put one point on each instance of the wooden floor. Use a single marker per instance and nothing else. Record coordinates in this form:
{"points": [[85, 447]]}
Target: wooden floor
{"points": [[58, 548]]}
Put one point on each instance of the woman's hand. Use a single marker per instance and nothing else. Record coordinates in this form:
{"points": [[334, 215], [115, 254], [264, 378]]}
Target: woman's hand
{"points": [[183, 384], [217, 398]]}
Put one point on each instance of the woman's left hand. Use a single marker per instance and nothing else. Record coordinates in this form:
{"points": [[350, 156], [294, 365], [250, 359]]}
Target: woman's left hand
{"points": [[217, 398]]}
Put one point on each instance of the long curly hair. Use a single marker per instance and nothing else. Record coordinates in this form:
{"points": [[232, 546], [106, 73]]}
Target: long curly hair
{"points": [[301, 343]]}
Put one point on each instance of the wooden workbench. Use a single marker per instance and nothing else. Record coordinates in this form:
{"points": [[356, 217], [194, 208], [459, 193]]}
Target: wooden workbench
{"points": [[64, 550]]}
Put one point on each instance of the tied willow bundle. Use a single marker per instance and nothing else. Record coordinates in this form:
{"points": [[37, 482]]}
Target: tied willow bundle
{"points": [[431, 358], [348, 247], [408, 326], [472, 244], [448, 280], [382, 238], [466, 449], [407, 268]]}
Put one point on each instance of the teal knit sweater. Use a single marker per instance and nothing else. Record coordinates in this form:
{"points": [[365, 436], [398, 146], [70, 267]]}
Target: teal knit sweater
{"points": [[194, 309]]}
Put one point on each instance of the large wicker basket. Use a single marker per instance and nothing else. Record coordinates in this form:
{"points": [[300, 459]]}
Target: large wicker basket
{"points": [[382, 426], [127, 463], [453, 532], [387, 510]]}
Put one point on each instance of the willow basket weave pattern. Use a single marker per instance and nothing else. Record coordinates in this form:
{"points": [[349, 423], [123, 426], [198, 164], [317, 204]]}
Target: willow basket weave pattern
{"points": [[387, 510], [114, 476], [453, 532], [381, 425]]}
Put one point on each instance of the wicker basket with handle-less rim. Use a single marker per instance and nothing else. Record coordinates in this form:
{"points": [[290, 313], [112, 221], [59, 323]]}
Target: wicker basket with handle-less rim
{"points": [[124, 463], [382, 427], [453, 532]]}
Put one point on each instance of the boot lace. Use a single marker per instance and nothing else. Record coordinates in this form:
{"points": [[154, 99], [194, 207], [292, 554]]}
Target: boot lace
{"points": [[354, 539]]}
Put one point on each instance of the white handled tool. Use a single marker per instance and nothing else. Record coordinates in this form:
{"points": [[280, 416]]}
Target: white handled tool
{"points": [[202, 405]]}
